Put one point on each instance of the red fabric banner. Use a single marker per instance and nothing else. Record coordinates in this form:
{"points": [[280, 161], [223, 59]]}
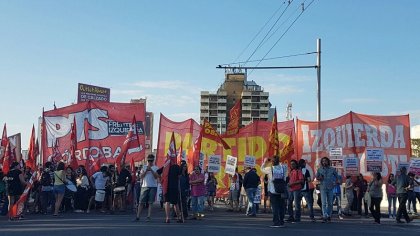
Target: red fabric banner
{"points": [[234, 119], [354, 133], [32, 151], [98, 124], [251, 140]]}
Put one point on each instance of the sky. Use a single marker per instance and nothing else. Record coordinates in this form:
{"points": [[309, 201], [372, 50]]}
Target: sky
{"points": [[167, 52]]}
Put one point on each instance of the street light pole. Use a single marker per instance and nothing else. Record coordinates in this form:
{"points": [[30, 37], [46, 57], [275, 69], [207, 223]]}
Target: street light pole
{"points": [[318, 76]]}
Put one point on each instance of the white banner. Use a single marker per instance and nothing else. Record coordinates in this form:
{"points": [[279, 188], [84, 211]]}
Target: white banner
{"points": [[231, 165]]}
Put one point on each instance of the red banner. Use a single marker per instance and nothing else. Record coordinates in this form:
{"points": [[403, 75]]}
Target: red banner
{"points": [[251, 140], [98, 125], [185, 131], [234, 119], [354, 133]]}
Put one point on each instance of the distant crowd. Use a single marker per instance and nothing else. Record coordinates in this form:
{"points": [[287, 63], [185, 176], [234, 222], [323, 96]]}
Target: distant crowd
{"points": [[57, 189]]}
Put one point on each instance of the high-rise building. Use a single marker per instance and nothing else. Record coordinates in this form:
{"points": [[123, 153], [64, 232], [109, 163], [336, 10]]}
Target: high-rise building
{"points": [[215, 106], [148, 126]]}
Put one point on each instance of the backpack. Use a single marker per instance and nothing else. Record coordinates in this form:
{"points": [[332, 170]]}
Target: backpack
{"points": [[279, 184], [46, 179]]}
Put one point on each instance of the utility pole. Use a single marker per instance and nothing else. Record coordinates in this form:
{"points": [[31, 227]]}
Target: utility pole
{"points": [[318, 77]]}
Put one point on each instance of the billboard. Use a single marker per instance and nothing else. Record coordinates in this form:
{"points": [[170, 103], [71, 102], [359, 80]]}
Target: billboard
{"points": [[86, 92]]}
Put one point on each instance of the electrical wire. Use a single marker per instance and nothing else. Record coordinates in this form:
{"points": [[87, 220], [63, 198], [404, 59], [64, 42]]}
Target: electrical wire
{"points": [[259, 45], [261, 29], [303, 10], [271, 58]]}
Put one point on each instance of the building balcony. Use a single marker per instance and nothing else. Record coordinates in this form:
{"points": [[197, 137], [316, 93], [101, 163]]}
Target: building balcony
{"points": [[204, 107], [246, 101], [244, 115]]}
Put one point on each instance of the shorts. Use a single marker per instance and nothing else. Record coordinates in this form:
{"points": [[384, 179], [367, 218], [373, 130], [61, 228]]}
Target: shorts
{"points": [[148, 194], [59, 189], [234, 195]]}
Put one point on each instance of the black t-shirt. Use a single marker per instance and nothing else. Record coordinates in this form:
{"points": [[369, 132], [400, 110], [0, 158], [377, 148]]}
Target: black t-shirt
{"points": [[123, 178], [14, 187]]}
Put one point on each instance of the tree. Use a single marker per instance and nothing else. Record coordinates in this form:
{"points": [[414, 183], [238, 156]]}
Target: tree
{"points": [[415, 147]]}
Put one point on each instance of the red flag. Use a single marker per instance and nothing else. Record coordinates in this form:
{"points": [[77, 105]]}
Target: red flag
{"points": [[133, 171], [130, 145], [210, 133], [3, 142], [17, 209], [273, 139], [73, 146], [31, 152], [179, 156], [170, 160], [194, 154], [234, 118], [6, 159]]}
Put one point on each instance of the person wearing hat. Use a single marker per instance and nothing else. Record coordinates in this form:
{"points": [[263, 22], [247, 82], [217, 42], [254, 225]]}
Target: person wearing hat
{"points": [[149, 186]]}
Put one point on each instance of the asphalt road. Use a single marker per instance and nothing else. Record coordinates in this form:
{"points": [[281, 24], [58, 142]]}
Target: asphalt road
{"points": [[217, 222]]}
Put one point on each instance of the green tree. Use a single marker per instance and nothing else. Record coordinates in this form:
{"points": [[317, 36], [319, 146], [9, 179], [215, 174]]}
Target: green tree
{"points": [[415, 147]]}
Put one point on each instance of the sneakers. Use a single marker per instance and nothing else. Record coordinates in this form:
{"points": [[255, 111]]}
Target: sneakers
{"points": [[277, 226]]}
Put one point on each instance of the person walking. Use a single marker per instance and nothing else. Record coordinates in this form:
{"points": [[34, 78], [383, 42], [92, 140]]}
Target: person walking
{"points": [[60, 181], [401, 181], [375, 191], [327, 177]]}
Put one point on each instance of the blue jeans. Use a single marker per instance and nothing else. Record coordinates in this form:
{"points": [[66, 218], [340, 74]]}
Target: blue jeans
{"points": [[250, 193], [309, 198], [327, 197], [392, 205], [411, 201], [295, 197], [337, 197], [197, 204]]}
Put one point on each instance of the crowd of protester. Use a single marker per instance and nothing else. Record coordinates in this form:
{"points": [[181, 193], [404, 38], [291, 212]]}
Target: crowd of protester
{"points": [[280, 189]]}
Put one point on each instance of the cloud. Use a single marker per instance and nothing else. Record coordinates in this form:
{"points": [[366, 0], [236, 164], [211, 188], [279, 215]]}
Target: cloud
{"points": [[415, 132], [360, 100]]}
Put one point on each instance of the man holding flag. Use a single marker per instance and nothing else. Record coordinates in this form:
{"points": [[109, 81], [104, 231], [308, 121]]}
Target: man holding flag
{"points": [[170, 181]]}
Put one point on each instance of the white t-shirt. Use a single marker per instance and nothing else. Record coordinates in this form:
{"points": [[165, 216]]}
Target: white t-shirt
{"points": [[149, 180], [416, 186], [100, 180]]}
